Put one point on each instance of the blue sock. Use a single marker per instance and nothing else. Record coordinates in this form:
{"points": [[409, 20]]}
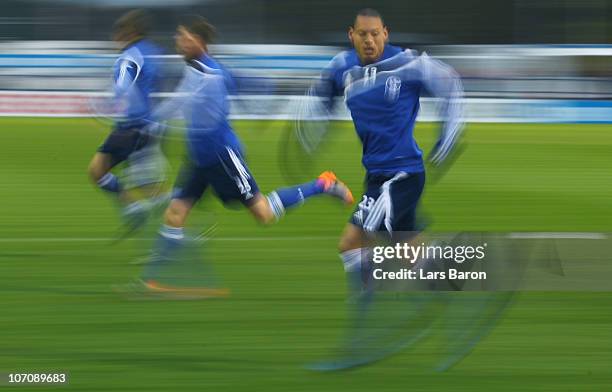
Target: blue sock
{"points": [[168, 243], [358, 277], [352, 261], [284, 198], [110, 183]]}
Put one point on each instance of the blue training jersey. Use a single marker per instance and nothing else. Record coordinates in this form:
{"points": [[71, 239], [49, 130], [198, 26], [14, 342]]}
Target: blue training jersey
{"points": [[202, 96], [135, 77], [383, 99]]}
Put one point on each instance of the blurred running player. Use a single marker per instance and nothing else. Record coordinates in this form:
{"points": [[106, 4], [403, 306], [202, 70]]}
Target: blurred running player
{"points": [[215, 156], [135, 77], [381, 85]]}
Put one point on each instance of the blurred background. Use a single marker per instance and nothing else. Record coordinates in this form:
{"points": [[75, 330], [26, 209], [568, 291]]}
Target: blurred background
{"points": [[323, 22], [513, 55]]}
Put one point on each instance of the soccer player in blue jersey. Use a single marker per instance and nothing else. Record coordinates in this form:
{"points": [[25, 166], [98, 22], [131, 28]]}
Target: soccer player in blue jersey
{"points": [[215, 157], [381, 85], [135, 77]]}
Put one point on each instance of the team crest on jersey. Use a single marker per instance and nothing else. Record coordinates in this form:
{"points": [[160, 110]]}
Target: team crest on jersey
{"points": [[392, 88]]}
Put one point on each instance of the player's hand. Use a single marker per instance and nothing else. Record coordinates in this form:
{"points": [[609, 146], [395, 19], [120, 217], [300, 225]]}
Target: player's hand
{"points": [[439, 153], [440, 166], [156, 129]]}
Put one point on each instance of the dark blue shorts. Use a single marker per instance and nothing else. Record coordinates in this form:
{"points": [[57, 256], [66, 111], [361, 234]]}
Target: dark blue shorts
{"points": [[123, 141], [230, 179], [389, 202]]}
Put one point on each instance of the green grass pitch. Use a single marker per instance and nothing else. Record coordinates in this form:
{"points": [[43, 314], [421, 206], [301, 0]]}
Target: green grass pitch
{"points": [[56, 267]]}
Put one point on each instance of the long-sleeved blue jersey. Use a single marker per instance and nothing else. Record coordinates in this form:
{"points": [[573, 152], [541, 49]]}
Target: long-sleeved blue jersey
{"points": [[202, 96], [136, 76], [383, 99]]}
